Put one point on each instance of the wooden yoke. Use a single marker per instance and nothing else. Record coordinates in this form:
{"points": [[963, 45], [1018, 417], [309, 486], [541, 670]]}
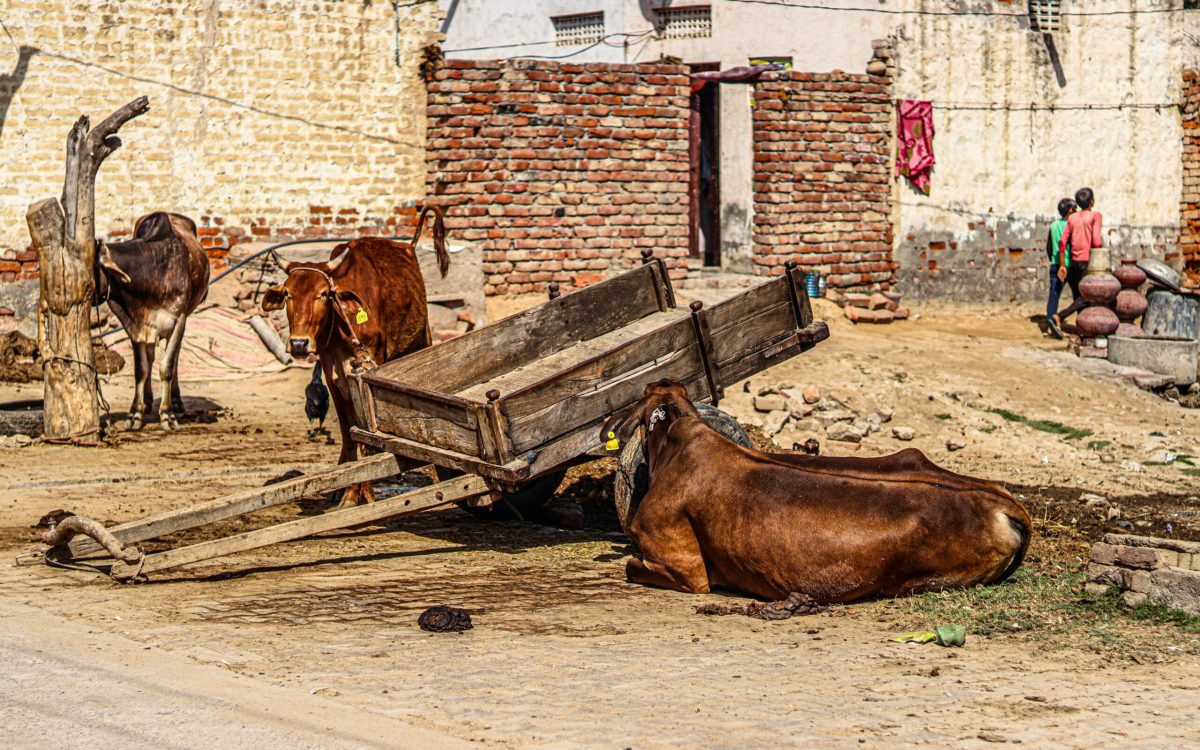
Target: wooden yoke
{"points": [[64, 236]]}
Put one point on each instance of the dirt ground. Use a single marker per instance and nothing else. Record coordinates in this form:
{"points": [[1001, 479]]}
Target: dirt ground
{"points": [[565, 653]]}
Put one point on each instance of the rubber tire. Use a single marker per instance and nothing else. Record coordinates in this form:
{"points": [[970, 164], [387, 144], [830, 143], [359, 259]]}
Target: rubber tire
{"points": [[631, 480], [529, 498], [21, 418]]}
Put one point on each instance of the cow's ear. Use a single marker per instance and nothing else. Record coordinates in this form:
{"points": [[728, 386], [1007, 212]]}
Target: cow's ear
{"points": [[105, 259], [274, 298]]}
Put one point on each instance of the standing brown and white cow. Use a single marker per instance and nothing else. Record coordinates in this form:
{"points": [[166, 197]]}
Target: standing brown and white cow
{"points": [[836, 529], [152, 283], [367, 300]]}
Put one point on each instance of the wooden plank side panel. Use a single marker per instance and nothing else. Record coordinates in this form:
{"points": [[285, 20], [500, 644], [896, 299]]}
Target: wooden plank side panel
{"points": [[629, 350], [426, 422], [789, 346], [490, 351], [564, 416], [754, 333], [733, 311], [513, 471]]}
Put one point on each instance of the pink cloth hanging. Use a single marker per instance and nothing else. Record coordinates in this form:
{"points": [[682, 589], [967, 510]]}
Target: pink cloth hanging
{"points": [[914, 157]]}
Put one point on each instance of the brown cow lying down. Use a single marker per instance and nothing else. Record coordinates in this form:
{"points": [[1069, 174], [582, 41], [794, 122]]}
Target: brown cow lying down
{"points": [[835, 529], [369, 299]]}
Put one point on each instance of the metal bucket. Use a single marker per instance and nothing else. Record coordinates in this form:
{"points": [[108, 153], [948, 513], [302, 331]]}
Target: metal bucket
{"points": [[1171, 315]]}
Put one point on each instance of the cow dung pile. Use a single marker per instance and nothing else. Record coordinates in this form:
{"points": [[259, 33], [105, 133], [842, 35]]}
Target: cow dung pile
{"points": [[19, 359], [21, 362], [796, 604], [444, 619]]}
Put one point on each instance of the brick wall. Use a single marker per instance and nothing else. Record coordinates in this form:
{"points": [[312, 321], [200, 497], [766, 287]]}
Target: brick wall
{"points": [[267, 120], [822, 184], [1189, 208], [563, 171]]}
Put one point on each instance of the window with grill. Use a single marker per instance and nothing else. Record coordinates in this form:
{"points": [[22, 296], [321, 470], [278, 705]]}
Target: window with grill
{"points": [[691, 22], [1045, 15], [585, 28]]}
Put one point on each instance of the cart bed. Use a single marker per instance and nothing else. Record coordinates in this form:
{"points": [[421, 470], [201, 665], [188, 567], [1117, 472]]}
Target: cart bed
{"points": [[525, 394]]}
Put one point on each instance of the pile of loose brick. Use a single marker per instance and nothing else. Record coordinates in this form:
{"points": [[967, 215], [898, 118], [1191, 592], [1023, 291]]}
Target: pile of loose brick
{"points": [[877, 307], [1160, 571]]}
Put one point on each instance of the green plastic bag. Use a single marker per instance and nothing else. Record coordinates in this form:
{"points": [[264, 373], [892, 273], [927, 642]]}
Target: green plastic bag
{"points": [[943, 635]]}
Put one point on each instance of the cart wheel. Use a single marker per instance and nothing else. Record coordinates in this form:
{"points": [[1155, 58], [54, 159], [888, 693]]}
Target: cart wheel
{"points": [[527, 500], [631, 480]]}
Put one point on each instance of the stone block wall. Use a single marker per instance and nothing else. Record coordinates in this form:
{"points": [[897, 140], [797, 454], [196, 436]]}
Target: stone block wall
{"points": [[268, 120], [1189, 208], [1161, 571], [822, 184], [563, 171]]}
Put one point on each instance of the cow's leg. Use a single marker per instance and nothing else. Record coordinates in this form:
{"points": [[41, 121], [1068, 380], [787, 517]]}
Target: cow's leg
{"points": [[355, 494], [147, 384], [137, 410], [172, 402], [671, 557]]}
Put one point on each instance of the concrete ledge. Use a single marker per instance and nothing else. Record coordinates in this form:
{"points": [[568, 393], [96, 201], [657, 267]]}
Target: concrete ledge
{"points": [[1175, 358]]}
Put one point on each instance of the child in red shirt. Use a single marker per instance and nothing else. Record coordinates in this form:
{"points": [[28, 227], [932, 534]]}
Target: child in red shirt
{"points": [[1075, 249]]}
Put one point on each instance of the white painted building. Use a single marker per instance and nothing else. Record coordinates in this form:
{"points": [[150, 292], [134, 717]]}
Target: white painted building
{"points": [[1032, 99]]}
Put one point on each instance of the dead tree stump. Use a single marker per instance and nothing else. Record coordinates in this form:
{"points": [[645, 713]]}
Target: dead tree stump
{"points": [[65, 238]]}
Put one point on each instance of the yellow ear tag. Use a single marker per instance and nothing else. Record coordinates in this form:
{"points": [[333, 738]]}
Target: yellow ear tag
{"points": [[361, 317], [612, 444]]}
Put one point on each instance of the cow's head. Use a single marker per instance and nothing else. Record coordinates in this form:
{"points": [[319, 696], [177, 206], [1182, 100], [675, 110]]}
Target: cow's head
{"points": [[307, 295], [107, 271], [662, 403]]}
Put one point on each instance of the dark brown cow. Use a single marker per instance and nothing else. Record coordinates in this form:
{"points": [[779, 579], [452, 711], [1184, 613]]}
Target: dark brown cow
{"points": [[836, 529], [368, 300], [152, 283]]}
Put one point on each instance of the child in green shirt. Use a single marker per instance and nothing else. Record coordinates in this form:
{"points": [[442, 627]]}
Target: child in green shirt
{"points": [[1066, 207]]}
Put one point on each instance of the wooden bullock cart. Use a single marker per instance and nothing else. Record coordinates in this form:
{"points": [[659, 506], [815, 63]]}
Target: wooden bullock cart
{"points": [[506, 404]]}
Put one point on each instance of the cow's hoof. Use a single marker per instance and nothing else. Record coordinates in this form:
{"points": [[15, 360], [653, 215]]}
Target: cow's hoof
{"points": [[168, 422], [133, 424]]}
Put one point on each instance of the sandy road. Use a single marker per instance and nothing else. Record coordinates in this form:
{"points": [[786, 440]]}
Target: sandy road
{"points": [[67, 685]]}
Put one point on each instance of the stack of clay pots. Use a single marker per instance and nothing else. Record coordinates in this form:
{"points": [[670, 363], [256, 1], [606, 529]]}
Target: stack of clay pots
{"points": [[1130, 303], [1100, 288]]}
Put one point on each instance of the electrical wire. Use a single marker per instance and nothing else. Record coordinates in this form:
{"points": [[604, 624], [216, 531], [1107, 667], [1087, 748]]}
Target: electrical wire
{"points": [[629, 39], [634, 36], [923, 12], [984, 107]]}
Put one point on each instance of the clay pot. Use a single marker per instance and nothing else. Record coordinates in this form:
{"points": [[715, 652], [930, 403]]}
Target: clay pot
{"points": [[1128, 273], [1099, 288], [1130, 305], [1097, 321], [1129, 330]]}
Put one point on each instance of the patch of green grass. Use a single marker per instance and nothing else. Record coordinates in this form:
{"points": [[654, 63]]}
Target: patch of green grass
{"points": [[1052, 609], [1098, 445], [943, 417], [1045, 425], [989, 429], [1192, 472]]}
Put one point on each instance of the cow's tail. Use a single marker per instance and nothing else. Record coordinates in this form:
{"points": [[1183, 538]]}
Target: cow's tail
{"points": [[439, 236], [1020, 527]]}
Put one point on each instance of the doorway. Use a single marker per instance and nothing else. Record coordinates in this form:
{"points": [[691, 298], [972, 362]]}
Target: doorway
{"points": [[704, 190]]}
